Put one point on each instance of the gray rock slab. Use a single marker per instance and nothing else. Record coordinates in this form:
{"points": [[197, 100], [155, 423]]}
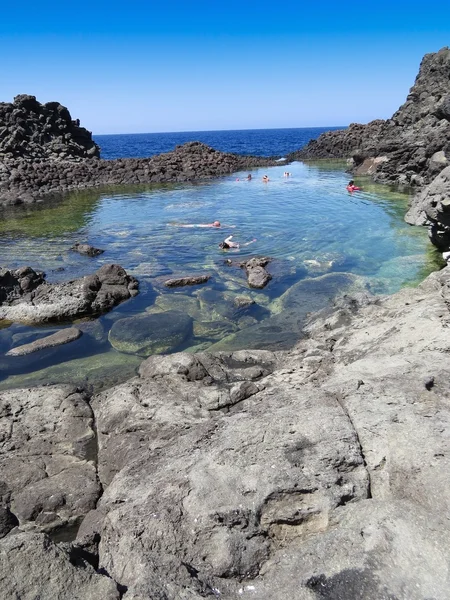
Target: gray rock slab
{"points": [[64, 336], [32, 566], [47, 452]]}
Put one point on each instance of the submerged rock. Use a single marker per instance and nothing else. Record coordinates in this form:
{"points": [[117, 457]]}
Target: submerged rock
{"points": [[190, 280], [56, 339], [86, 249], [150, 333]]}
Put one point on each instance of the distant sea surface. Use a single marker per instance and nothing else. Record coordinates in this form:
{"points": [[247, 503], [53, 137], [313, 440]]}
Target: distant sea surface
{"points": [[257, 142]]}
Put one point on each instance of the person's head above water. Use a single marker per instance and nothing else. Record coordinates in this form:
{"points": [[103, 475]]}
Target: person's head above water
{"points": [[351, 182], [216, 224]]}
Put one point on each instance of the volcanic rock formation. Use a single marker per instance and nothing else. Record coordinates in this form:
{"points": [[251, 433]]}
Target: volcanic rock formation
{"points": [[411, 147]]}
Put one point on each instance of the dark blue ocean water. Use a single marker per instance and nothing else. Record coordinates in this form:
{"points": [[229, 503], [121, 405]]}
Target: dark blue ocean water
{"points": [[257, 142]]}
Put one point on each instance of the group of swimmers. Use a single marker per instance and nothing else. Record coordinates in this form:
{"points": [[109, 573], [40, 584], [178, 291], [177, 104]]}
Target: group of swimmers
{"points": [[265, 178]]}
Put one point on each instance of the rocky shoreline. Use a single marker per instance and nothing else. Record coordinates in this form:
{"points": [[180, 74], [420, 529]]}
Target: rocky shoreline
{"points": [[51, 155], [317, 473]]}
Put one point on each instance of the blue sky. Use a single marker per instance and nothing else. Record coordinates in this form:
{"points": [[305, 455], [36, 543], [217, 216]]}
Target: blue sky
{"points": [[150, 66]]}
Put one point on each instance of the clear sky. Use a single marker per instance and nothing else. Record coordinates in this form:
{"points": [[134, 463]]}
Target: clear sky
{"points": [[153, 65]]}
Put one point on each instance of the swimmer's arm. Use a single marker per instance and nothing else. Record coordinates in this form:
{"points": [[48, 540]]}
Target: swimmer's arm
{"points": [[228, 240]]}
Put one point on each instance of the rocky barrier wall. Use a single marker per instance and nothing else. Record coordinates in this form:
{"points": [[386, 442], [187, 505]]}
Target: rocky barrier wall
{"points": [[43, 151]]}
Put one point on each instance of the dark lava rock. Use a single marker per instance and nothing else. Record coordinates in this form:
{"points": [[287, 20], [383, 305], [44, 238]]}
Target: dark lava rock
{"points": [[257, 276], [29, 129], [400, 149]]}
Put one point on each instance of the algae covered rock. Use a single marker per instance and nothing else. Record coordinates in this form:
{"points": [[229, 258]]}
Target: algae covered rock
{"points": [[150, 333]]}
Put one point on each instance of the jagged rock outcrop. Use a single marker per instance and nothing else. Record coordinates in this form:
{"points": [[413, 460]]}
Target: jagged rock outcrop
{"points": [[408, 149], [26, 297], [44, 152], [29, 129]]}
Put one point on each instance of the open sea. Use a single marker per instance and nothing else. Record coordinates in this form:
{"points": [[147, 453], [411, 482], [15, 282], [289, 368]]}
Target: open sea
{"points": [[322, 240], [256, 142]]}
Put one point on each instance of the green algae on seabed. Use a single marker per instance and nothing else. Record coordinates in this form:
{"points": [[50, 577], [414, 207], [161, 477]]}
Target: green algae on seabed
{"points": [[96, 372]]}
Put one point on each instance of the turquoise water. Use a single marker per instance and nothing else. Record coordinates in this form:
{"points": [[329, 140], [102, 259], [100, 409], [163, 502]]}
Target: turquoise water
{"points": [[310, 226]]}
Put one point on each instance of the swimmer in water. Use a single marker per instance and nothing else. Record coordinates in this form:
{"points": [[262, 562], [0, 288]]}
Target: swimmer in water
{"points": [[249, 177], [351, 187], [227, 244], [265, 179], [215, 224]]}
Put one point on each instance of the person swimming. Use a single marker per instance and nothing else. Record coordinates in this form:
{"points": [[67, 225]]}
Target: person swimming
{"points": [[265, 179], [227, 243], [351, 187], [249, 177], [215, 224]]}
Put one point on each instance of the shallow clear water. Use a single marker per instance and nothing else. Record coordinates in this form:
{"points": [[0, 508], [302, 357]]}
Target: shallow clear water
{"points": [[308, 224]]}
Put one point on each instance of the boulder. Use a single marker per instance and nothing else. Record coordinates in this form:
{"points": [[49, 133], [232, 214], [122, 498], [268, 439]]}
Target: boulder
{"points": [[257, 276], [150, 333], [90, 295]]}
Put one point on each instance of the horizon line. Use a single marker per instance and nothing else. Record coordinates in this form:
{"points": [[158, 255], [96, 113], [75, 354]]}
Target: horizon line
{"points": [[222, 130]]}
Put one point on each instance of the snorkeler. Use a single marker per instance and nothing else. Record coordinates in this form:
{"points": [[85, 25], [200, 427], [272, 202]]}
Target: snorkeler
{"points": [[227, 244]]}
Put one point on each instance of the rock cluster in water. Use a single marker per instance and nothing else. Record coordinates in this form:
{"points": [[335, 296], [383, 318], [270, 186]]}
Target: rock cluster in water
{"points": [[43, 151]]}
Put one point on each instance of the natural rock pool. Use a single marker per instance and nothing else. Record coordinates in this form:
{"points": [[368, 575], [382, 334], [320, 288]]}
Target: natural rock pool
{"points": [[323, 242]]}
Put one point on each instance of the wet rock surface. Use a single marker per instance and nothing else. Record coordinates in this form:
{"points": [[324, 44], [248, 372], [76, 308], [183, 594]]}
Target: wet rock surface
{"points": [[150, 333], [30, 299], [257, 276], [189, 280], [86, 249]]}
